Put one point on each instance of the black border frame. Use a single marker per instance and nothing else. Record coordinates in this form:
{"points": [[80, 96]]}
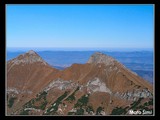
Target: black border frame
{"points": [[3, 50]]}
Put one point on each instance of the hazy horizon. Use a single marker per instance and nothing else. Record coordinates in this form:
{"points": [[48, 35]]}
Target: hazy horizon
{"points": [[12, 49]]}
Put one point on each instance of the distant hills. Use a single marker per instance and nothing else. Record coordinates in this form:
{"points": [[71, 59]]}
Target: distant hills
{"points": [[101, 86]]}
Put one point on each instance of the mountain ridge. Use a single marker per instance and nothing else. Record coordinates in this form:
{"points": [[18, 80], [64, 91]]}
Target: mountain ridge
{"points": [[102, 74]]}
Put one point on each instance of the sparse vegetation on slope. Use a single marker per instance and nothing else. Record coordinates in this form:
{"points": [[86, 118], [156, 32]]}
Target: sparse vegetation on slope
{"points": [[81, 105], [24, 112], [41, 97], [82, 101], [54, 106], [119, 111], [72, 97], [11, 101], [80, 111], [99, 110], [136, 105], [89, 109]]}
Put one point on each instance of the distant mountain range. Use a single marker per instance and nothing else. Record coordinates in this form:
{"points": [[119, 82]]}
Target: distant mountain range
{"points": [[101, 86]]}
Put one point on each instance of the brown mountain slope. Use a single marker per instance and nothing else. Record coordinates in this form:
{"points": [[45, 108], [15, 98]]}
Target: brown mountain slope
{"points": [[97, 87], [27, 75]]}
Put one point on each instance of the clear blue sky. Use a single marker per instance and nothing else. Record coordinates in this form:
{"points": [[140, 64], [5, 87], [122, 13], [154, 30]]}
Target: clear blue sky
{"points": [[88, 26]]}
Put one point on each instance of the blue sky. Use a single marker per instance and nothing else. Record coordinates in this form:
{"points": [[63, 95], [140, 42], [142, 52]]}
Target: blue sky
{"points": [[80, 26]]}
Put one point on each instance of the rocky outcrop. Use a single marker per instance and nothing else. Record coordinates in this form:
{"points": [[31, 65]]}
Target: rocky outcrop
{"points": [[60, 84], [16, 91], [30, 57], [96, 85], [134, 94], [101, 58]]}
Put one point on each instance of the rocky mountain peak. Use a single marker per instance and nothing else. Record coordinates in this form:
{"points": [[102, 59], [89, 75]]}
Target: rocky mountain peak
{"points": [[28, 57], [31, 52], [99, 57]]}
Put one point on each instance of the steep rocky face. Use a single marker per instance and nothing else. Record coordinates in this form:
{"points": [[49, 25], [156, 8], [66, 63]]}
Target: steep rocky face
{"points": [[120, 71], [102, 86], [101, 58], [30, 57]]}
